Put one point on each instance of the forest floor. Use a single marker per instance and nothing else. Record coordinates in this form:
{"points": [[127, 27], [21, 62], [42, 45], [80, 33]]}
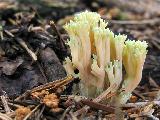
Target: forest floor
{"points": [[33, 82]]}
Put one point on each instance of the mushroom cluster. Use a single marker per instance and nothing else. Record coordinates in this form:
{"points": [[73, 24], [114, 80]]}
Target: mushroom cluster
{"points": [[99, 55]]}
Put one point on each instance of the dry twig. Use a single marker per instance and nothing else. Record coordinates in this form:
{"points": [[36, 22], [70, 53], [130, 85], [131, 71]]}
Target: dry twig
{"points": [[48, 86], [32, 112], [59, 35], [24, 45], [5, 103], [98, 99], [4, 117], [139, 104]]}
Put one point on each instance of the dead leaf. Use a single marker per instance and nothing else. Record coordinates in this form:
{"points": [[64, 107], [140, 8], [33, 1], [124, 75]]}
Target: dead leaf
{"points": [[9, 67]]}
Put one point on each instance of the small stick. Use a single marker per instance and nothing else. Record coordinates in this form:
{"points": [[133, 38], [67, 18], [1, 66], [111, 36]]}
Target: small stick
{"points": [[14, 105], [54, 84], [138, 94], [24, 45], [98, 106], [5, 103], [73, 116], [132, 110], [8, 33], [27, 93], [40, 113], [11, 114], [4, 117], [14, 30], [52, 24], [98, 99], [35, 29], [47, 86], [1, 32], [139, 104], [27, 116], [65, 112], [104, 94]]}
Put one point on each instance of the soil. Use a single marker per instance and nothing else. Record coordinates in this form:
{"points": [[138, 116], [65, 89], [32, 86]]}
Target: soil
{"points": [[32, 51]]}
